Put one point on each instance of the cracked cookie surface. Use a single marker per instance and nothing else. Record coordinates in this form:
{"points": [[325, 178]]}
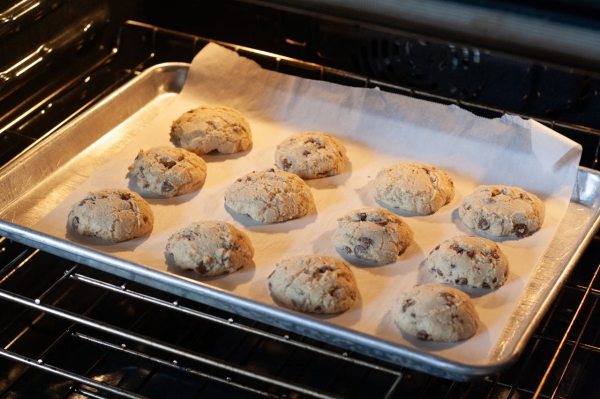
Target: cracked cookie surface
{"points": [[373, 234], [468, 261], [413, 187], [434, 312], [212, 128], [502, 211], [210, 248], [270, 196], [310, 155], [313, 284], [112, 214], [168, 171]]}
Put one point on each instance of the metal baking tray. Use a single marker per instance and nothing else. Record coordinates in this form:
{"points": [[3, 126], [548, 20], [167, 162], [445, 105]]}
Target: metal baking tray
{"points": [[37, 181]]}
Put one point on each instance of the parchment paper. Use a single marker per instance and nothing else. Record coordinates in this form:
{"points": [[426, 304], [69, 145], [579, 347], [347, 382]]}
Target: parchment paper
{"points": [[377, 129]]}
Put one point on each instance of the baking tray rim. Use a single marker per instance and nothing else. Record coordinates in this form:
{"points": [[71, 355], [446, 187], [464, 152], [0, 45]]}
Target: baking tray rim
{"points": [[283, 318]]}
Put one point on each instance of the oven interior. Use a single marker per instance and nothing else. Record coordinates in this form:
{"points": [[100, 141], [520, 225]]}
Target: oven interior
{"points": [[71, 331]]}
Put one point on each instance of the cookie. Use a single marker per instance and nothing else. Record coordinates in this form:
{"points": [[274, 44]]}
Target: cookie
{"points": [[469, 261], [413, 187], [313, 284], [112, 214], [373, 234], [310, 155], [210, 248], [270, 196], [502, 211], [212, 128], [435, 312], [168, 171]]}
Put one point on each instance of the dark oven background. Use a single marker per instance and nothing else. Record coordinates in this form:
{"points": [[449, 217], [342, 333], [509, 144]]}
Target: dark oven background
{"points": [[67, 330]]}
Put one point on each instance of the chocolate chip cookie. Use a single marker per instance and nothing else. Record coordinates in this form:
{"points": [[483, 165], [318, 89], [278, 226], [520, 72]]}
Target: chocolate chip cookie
{"points": [[112, 214], [414, 187], [469, 261], [212, 128], [210, 248], [502, 211], [313, 284], [373, 234], [270, 196], [168, 171], [434, 312], [310, 155]]}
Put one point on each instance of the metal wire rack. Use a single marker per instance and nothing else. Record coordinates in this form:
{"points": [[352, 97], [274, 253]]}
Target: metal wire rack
{"points": [[70, 331]]}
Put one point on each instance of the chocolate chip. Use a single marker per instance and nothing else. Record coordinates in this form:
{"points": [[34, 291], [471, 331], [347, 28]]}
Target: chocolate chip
{"points": [[457, 248], [270, 285], [348, 250], [449, 297], [272, 170], [436, 248], [495, 255], [337, 291], [75, 223], [320, 146], [125, 196], [82, 203], [309, 141], [452, 265], [423, 336], [413, 315], [438, 271], [381, 222], [359, 250], [318, 308], [167, 187], [495, 280], [483, 224], [324, 269], [366, 240], [286, 164], [305, 153], [461, 281], [168, 164], [485, 285], [201, 268], [407, 304], [468, 208], [471, 254], [239, 180], [521, 230], [362, 216]]}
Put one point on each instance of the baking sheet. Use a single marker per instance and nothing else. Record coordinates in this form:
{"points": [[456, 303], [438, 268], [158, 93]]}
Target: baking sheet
{"points": [[377, 129]]}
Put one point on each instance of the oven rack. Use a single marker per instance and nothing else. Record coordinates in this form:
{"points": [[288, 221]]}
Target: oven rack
{"points": [[112, 324], [111, 328]]}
